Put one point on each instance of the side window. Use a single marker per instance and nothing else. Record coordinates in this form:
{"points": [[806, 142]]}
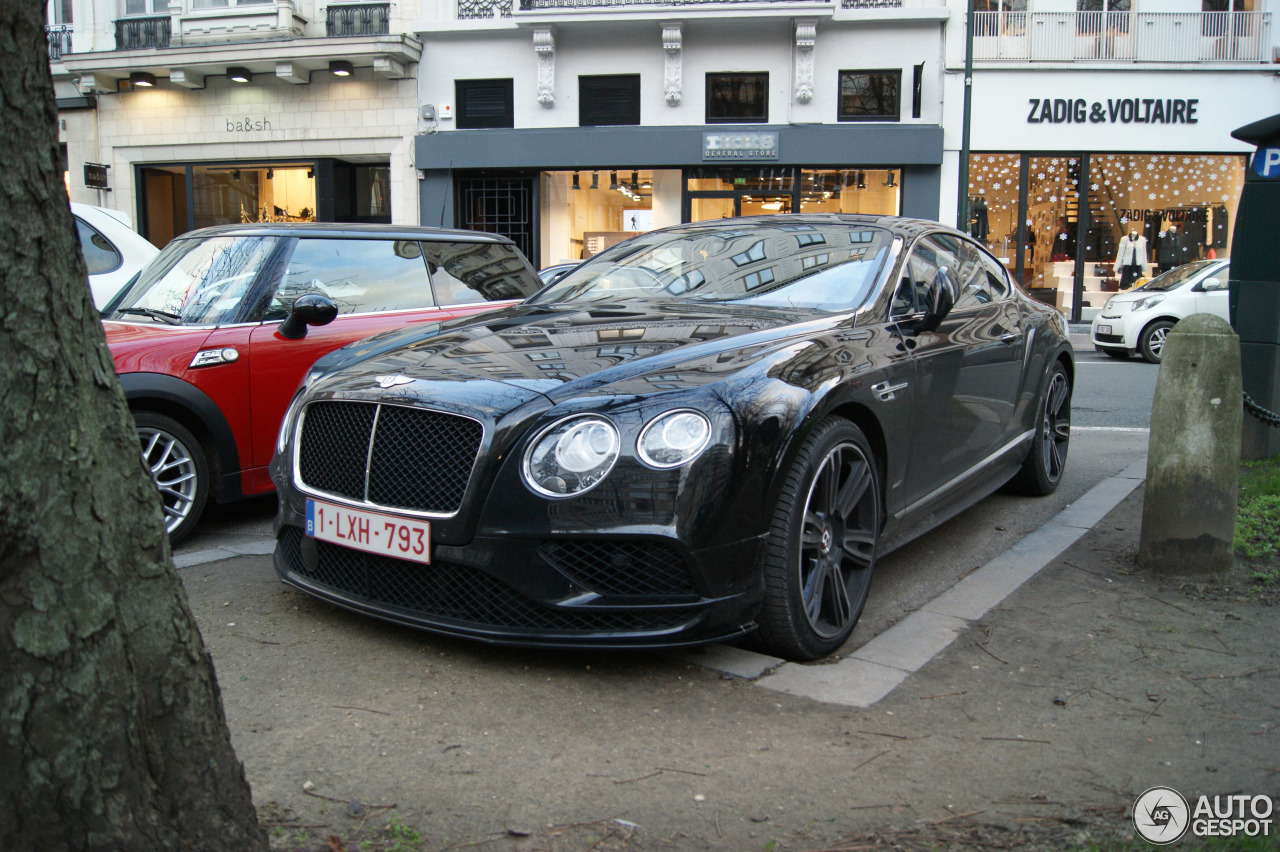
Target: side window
{"points": [[981, 280], [465, 273], [931, 253], [99, 254], [361, 276]]}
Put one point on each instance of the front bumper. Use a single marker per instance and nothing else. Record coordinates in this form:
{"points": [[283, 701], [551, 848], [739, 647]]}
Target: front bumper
{"points": [[597, 591], [1121, 335]]}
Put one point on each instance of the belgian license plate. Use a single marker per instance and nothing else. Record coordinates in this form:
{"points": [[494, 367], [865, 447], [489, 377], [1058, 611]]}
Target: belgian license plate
{"points": [[372, 532], [1104, 329]]}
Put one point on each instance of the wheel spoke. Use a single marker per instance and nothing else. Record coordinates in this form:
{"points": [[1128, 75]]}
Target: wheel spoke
{"points": [[811, 595], [830, 477], [838, 598], [853, 490], [811, 533], [858, 544]]}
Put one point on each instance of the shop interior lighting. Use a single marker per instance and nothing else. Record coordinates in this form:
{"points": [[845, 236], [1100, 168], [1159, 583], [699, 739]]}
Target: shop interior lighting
{"points": [[862, 180], [142, 79], [235, 174], [239, 75], [311, 173], [635, 182], [340, 68], [576, 185], [613, 181], [271, 173], [892, 179], [595, 180]]}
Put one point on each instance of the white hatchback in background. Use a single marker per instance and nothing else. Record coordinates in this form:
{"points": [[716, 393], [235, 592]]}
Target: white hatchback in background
{"points": [[1138, 320], [113, 251]]}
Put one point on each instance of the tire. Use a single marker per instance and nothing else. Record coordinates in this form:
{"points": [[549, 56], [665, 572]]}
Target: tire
{"points": [[1042, 469], [178, 468], [1118, 354], [1151, 343], [820, 550]]}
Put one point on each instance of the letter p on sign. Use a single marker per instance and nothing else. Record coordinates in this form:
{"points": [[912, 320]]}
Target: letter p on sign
{"points": [[1267, 162]]}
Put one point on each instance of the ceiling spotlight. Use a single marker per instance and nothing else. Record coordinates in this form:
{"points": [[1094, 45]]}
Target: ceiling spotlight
{"points": [[311, 173], [613, 180], [340, 68], [142, 79], [271, 173], [575, 182], [892, 180], [635, 182], [235, 174], [239, 75], [595, 180], [861, 181]]}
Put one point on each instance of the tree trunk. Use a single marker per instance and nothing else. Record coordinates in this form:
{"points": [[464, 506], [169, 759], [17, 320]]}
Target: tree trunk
{"points": [[112, 734]]}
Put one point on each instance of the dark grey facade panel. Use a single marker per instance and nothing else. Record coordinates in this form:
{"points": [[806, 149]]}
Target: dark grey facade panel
{"points": [[585, 147]]}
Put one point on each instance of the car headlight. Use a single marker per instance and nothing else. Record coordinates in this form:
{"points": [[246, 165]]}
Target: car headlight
{"points": [[290, 415], [1148, 302], [674, 438], [572, 456]]}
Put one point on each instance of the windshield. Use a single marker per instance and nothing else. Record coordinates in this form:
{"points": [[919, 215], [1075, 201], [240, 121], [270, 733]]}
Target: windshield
{"points": [[198, 281], [822, 267], [1176, 277]]}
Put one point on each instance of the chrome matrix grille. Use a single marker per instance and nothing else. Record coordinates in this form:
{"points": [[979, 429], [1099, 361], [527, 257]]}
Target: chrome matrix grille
{"points": [[415, 459]]}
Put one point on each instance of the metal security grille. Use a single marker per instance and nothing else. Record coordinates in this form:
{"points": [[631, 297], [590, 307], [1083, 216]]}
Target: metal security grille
{"points": [[500, 205], [621, 567], [444, 590], [142, 33], [420, 460], [484, 8], [364, 19]]}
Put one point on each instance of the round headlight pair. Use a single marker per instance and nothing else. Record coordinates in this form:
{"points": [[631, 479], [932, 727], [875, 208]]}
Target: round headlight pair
{"points": [[575, 454]]}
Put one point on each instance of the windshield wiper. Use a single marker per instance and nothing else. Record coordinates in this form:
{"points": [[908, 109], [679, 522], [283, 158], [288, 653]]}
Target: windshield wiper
{"points": [[160, 316]]}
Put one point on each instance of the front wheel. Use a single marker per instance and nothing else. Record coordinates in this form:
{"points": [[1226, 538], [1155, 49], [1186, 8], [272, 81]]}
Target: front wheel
{"points": [[1151, 343], [178, 468], [821, 547], [1042, 469]]}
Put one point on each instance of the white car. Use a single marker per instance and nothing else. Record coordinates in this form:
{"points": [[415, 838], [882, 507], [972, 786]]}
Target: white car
{"points": [[113, 251], [1138, 320]]}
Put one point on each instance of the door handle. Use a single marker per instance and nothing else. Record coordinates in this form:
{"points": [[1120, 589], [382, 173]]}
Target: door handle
{"points": [[886, 391]]}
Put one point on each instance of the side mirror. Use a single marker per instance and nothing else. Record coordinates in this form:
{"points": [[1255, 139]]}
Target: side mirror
{"points": [[940, 299], [311, 309], [1211, 284]]}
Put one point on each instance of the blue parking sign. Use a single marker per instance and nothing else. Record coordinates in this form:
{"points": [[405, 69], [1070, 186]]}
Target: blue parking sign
{"points": [[1266, 162]]}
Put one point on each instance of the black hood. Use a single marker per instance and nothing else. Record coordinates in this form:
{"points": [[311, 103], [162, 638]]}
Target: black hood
{"points": [[561, 351]]}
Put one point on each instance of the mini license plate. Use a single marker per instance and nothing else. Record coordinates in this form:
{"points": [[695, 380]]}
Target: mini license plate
{"points": [[1104, 329], [372, 532]]}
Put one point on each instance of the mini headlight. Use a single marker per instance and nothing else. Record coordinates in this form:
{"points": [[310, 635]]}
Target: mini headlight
{"points": [[572, 456], [1148, 302], [674, 438]]}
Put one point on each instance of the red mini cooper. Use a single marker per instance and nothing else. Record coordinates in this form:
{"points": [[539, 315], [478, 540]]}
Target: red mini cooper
{"points": [[212, 338]]}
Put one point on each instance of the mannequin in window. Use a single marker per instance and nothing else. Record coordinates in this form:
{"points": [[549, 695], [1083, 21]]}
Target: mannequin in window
{"points": [[979, 225], [1173, 249], [1131, 258]]}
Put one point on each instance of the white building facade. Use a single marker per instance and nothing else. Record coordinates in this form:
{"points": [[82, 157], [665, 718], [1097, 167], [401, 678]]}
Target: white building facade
{"points": [[570, 125], [1097, 122], [188, 113]]}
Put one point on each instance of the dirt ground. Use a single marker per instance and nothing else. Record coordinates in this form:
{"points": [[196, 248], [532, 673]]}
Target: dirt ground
{"points": [[1035, 729]]}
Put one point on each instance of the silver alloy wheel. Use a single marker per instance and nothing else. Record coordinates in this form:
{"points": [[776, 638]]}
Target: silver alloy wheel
{"points": [[173, 470], [1155, 343], [1055, 431], [837, 540]]}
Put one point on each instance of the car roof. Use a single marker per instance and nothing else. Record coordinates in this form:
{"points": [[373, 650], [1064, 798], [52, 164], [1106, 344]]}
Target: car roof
{"points": [[343, 230], [901, 225]]}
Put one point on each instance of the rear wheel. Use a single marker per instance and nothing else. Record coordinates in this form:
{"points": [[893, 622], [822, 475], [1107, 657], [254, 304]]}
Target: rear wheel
{"points": [[821, 547], [1042, 469], [178, 468], [1151, 343]]}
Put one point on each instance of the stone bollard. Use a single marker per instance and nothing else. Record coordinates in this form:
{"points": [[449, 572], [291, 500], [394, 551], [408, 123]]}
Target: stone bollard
{"points": [[1193, 456]]}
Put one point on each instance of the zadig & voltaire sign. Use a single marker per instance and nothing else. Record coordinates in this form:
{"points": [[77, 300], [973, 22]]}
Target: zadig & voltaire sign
{"points": [[1113, 111]]}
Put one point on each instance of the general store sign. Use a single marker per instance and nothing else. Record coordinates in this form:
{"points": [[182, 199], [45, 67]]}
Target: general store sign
{"points": [[740, 146], [1113, 111]]}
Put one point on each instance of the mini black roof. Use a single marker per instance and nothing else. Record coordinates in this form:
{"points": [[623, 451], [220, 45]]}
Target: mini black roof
{"points": [[340, 230]]}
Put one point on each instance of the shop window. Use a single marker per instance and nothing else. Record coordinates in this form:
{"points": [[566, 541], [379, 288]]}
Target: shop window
{"points": [[737, 98], [608, 99], [145, 7], [870, 95], [484, 103], [223, 4]]}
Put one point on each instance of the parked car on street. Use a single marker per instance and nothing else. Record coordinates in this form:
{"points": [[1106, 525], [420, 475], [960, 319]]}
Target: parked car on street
{"points": [[113, 251], [1138, 320], [703, 431], [212, 339]]}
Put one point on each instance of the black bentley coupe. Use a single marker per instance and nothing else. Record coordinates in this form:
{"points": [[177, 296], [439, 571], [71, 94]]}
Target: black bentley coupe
{"points": [[705, 431]]}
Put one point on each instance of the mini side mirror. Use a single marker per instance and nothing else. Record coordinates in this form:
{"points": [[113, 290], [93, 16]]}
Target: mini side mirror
{"points": [[311, 309]]}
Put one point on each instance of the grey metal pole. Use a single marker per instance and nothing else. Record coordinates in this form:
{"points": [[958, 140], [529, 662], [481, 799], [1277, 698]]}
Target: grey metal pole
{"points": [[962, 198]]}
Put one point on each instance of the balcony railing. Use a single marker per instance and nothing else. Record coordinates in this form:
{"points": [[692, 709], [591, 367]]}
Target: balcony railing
{"points": [[484, 9], [1122, 36], [141, 33], [59, 38], [358, 19]]}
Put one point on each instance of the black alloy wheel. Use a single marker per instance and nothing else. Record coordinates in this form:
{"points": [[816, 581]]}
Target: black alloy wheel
{"points": [[821, 548], [1151, 343], [1043, 467], [178, 468]]}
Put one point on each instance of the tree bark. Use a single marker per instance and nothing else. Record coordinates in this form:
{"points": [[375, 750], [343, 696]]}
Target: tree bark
{"points": [[112, 733]]}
